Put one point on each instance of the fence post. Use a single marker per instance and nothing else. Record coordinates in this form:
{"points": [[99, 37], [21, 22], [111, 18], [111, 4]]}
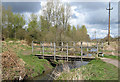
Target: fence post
{"points": [[87, 48], [67, 51], [81, 52], [32, 47], [43, 49], [54, 51], [97, 48]]}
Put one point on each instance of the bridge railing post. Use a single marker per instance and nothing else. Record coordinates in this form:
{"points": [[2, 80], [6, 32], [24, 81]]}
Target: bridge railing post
{"points": [[102, 48], [87, 48], [43, 49], [51, 48], [40, 47], [32, 47], [67, 51], [81, 52], [97, 48], [74, 46], [54, 51], [62, 46]]}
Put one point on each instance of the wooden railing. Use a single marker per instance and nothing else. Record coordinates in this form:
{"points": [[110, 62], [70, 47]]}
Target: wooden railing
{"points": [[55, 47]]}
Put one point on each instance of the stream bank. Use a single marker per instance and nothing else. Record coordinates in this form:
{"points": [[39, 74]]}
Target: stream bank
{"points": [[61, 67], [94, 70]]}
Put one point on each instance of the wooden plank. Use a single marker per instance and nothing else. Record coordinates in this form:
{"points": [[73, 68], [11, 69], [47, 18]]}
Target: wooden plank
{"points": [[89, 47], [46, 55]]}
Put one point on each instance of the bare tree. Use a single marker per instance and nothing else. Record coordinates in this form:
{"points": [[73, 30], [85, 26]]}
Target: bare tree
{"points": [[57, 15]]}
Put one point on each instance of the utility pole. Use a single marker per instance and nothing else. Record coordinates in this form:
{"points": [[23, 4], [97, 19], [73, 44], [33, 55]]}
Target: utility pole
{"points": [[109, 24]]}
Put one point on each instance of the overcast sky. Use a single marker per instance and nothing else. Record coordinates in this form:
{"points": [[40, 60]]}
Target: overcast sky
{"points": [[91, 14]]}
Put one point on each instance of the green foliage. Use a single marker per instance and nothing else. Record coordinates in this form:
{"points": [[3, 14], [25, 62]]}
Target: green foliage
{"points": [[12, 23], [83, 29], [111, 56], [33, 23], [52, 26]]}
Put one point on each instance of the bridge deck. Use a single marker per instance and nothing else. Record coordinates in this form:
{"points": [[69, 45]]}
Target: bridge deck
{"points": [[64, 57]]}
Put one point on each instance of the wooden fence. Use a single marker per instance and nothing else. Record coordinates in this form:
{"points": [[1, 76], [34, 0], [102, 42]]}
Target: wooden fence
{"points": [[53, 48]]}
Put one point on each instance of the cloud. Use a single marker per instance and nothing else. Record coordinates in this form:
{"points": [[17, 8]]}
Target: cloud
{"points": [[89, 6], [77, 18], [91, 14], [21, 7], [95, 17], [102, 32], [96, 12]]}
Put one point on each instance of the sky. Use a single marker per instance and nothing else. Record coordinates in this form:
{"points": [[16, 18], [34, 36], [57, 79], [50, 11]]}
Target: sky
{"points": [[91, 14]]}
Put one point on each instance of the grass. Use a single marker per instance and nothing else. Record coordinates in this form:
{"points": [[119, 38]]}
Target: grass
{"points": [[100, 49], [33, 64], [37, 65], [94, 70], [112, 57], [99, 70], [11, 39], [71, 75]]}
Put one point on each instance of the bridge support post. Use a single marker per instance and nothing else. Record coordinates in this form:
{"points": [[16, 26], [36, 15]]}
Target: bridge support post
{"points": [[54, 51], [81, 52], [43, 49], [67, 51], [32, 47]]}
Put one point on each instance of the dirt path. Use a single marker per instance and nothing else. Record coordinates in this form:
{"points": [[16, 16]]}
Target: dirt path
{"points": [[111, 61]]}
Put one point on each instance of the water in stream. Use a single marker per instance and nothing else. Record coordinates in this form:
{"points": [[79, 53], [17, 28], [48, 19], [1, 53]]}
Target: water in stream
{"points": [[50, 74]]}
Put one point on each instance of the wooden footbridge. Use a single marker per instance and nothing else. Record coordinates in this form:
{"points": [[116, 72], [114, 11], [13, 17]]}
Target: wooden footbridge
{"points": [[63, 57], [70, 51]]}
